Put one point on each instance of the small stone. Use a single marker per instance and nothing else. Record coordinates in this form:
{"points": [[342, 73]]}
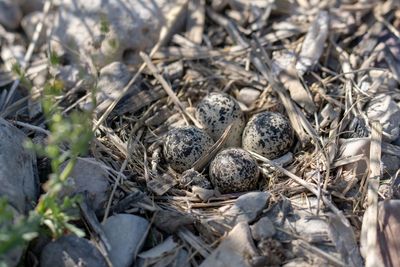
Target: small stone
{"points": [[262, 229], [248, 96], [247, 207], [391, 164], [29, 23], [304, 221], [88, 176], [113, 30], [12, 55], [235, 250], [168, 246], [10, 14], [18, 171], [126, 234], [383, 109], [395, 188], [352, 147], [69, 74], [71, 251], [112, 80], [29, 6]]}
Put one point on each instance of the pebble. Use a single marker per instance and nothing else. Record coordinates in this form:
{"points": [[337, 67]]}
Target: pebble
{"points": [[88, 176], [248, 96], [169, 253], [262, 229], [247, 207], [383, 109], [112, 29], [29, 23], [29, 6], [391, 164], [232, 248], [69, 75], [112, 80], [10, 14], [352, 147], [126, 234], [18, 171], [71, 251], [12, 55]]}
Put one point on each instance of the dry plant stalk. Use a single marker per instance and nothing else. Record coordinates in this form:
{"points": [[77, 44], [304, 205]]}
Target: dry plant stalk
{"points": [[372, 196]]}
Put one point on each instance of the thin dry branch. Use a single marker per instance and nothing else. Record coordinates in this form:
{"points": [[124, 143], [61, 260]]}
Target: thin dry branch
{"points": [[372, 196]]}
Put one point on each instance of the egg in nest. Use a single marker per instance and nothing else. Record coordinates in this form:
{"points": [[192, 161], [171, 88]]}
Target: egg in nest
{"points": [[183, 146], [216, 112], [268, 134], [234, 170]]}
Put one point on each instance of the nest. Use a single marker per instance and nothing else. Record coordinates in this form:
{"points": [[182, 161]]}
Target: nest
{"points": [[319, 65]]}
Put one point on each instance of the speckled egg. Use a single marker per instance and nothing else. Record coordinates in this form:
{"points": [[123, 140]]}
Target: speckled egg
{"points": [[184, 145], [234, 170], [268, 134], [216, 111]]}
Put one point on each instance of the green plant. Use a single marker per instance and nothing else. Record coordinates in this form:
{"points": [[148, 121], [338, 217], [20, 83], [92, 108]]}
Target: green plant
{"points": [[69, 138]]}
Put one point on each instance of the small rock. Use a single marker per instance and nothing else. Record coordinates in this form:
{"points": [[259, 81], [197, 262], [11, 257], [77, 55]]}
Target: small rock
{"points": [[245, 4], [71, 251], [170, 221], [305, 222], [112, 80], [165, 247], [29, 23], [395, 188], [383, 109], [18, 172], [69, 74], [352, 147], [10, 14], [103, 29], [174, 70], [126, 234], [89, 176], [262, 229], [29, 6], [235, 250], [247, 207], [297, 262], [12, 55], [248, 96], [182, 260], [166, 253], [391, 164]]}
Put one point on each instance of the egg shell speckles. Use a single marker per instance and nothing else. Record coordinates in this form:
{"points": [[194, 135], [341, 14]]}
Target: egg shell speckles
{"points": [[234, 170], [215, 112], [268, 134], [184, 145]]}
